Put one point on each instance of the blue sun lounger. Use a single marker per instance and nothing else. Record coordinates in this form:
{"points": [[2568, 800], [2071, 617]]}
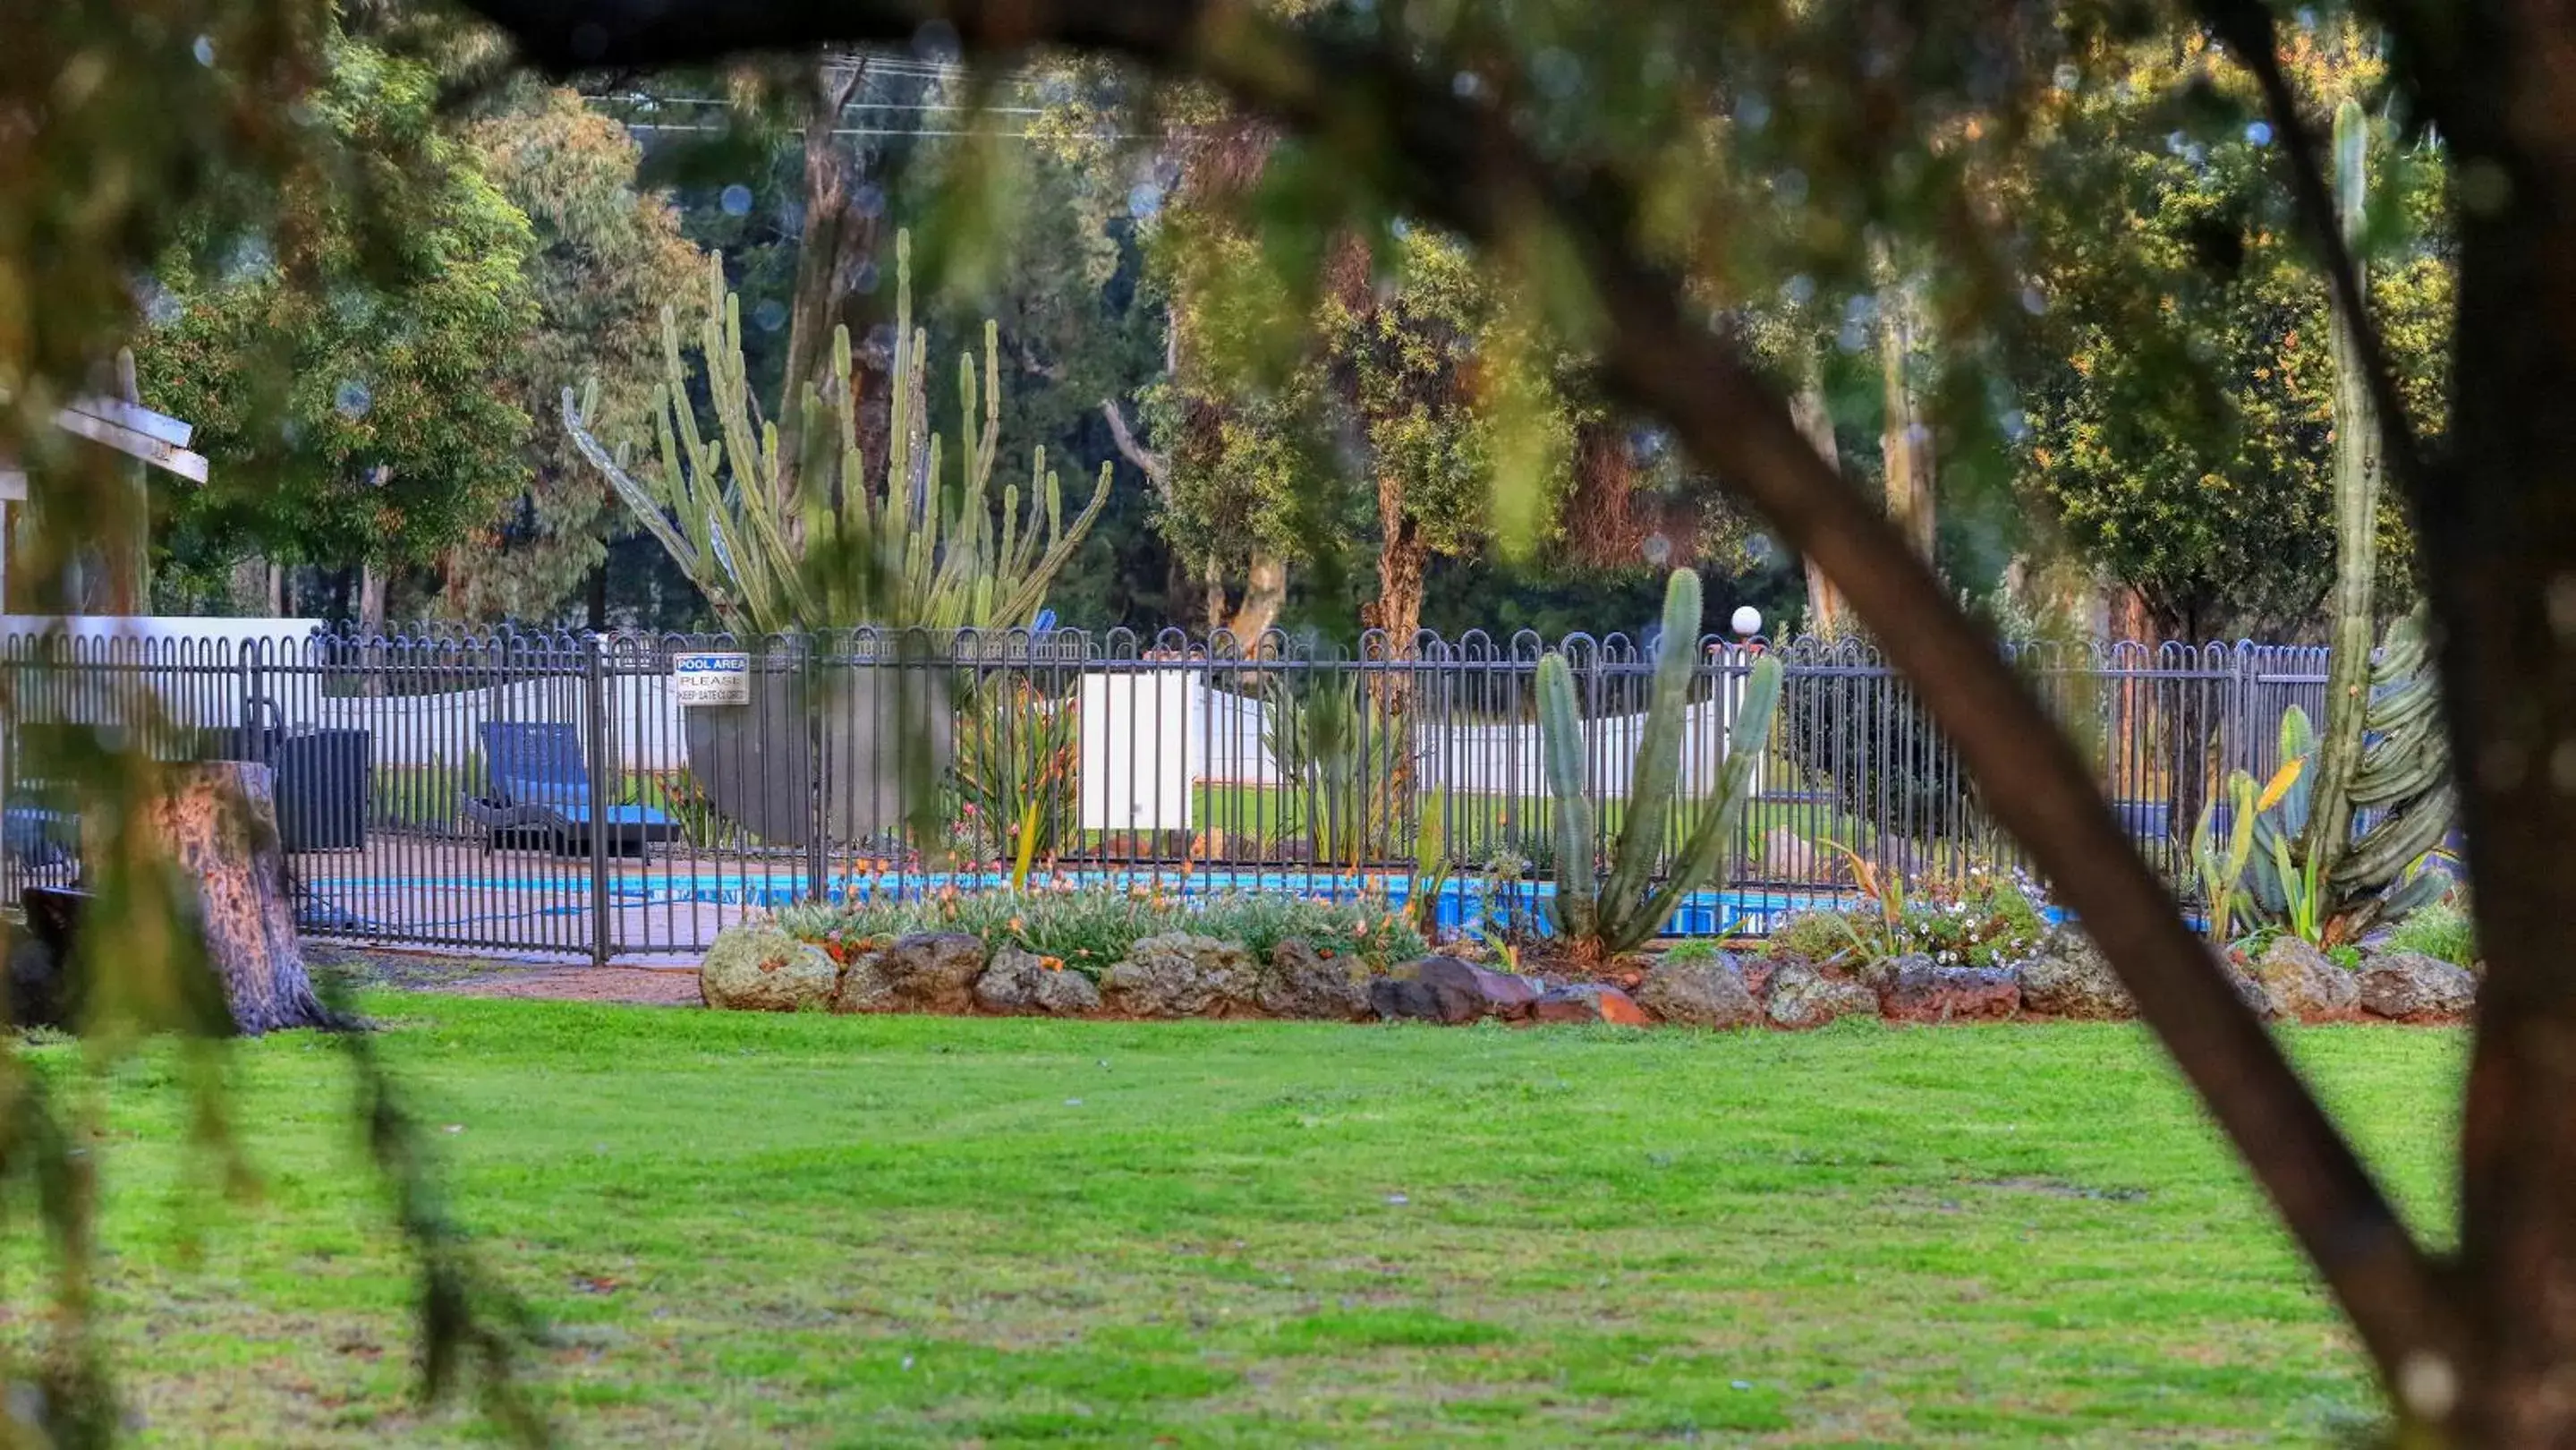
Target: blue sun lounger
{"points": [[541, 786]]}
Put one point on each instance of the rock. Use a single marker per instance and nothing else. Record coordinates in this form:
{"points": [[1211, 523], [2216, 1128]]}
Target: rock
{"points": [[2306, 983], [1301, 982], [1180, 975], [2415, 988], [1757, 972], [1918, 989], [932, 972], [1589, 1002], [1402, 999], [2248, 990], [1706, 993], [1496, 994], [1804, 996], [1878, 973], [2069, 979], [1064, 992], [1407, 1000], [758, 968], [1788, 856], [1022, 982], [1445, 989]]}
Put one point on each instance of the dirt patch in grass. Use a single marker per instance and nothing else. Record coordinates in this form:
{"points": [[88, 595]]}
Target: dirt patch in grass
{"points": [[484, 977], [642, 986]]}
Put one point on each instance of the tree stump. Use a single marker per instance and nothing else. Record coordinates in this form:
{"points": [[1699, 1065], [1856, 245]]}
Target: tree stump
{"points": [[219, 821]]}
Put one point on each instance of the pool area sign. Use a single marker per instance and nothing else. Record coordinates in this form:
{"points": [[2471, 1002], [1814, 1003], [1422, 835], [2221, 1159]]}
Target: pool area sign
{"points": [[711, 679]]}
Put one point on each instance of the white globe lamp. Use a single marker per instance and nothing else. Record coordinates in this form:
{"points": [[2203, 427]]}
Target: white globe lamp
{"points": [[1747, 622]]}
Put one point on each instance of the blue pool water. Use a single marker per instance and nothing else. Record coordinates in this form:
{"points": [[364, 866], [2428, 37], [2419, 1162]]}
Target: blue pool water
{"points": [[1461, 903]]}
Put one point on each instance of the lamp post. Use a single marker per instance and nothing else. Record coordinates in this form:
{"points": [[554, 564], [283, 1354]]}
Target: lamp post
{"points": [[1746, 623]]}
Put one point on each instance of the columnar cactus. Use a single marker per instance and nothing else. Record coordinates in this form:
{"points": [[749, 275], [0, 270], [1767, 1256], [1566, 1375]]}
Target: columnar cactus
{"points": [[1621, 912], [2356, 484], [778, 544]]}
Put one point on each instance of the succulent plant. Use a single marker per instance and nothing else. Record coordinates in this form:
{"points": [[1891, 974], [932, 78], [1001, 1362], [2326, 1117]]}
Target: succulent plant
{"points": [[810, 543], [1621, 911], [2404, 776]]}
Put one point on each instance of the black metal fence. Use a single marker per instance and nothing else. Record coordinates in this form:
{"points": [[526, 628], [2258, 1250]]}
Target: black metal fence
{"points": [[606, 796]]}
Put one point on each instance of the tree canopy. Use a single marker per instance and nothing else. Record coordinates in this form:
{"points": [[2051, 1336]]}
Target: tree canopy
{"points": [[607, 257], [340, 364], [2180, 425]]}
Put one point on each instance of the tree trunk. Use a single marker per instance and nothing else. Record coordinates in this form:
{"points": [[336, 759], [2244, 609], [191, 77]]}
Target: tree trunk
{"points": [[371, 627], [128, 555], [2498, 524], [1212, 593], [1265, 590], [834, 244], [1400, 559], [219, 823], [1824, 601], [246, 591], [1906, 445]]}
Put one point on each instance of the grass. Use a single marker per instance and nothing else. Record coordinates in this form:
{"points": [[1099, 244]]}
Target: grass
{"points": [[912, 1231]]}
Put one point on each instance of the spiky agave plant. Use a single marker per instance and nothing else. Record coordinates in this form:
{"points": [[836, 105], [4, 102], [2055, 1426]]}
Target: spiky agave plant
{"points": [[2404, 775]]}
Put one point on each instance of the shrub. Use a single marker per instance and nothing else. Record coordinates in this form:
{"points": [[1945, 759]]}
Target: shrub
{"points": [[2442, 930], [1993, 921], [1089, 928], [1690, 953], [1346, 763], [1017, 749], [1363, 929], [1861, 735], [1816, 935]]}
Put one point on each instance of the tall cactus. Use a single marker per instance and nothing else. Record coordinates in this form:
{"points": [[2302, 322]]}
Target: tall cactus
{"points": [[1621, 912], [830, 549], [2356, 486]]}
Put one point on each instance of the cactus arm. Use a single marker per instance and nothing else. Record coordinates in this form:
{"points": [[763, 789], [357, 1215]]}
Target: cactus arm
{"points": [[1656, 777], [984, 459], [1721, 821], [1561, 749], [1022, 604], [639, 500]]}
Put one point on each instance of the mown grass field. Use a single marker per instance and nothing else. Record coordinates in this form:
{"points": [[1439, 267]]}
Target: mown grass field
{"points": [[903, 1231]]}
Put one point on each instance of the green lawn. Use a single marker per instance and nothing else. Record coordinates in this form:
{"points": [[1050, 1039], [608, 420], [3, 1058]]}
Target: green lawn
{"points": [[760, 1230]]}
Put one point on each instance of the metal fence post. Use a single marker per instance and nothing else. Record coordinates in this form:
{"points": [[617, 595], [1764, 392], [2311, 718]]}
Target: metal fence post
{"points": [[807, 701], [602, 813]]}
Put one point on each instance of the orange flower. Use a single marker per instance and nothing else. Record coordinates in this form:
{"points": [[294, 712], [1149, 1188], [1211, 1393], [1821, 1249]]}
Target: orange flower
{"points": [[1052, 964]]}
